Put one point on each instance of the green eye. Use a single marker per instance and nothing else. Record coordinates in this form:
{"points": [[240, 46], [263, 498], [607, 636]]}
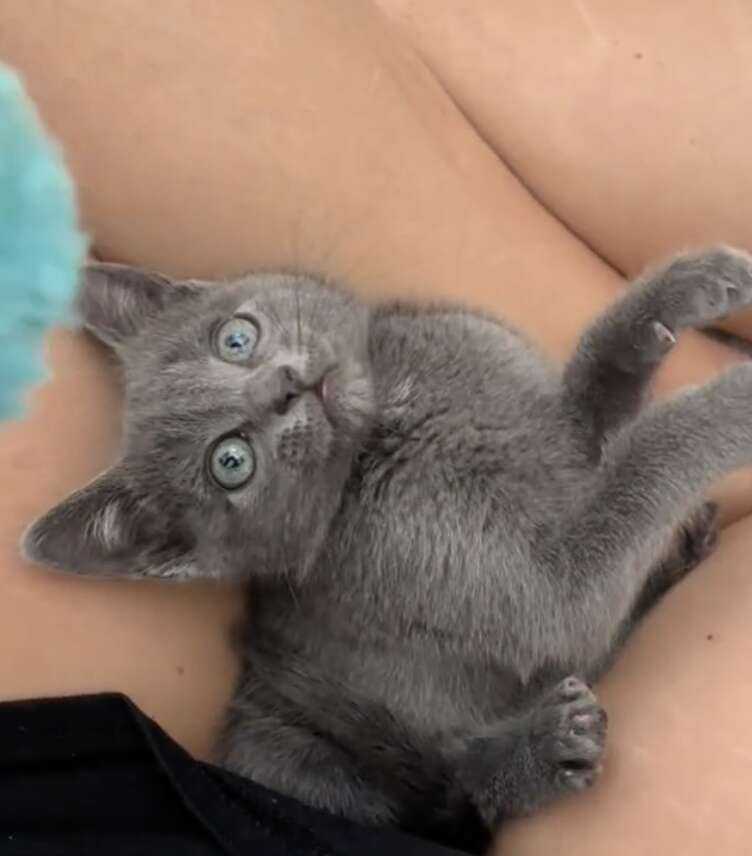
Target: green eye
{"points": [[232, 462], [237, 339]]}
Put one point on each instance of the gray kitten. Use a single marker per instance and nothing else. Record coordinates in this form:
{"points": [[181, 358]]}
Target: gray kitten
{"points": [[442, 535]]}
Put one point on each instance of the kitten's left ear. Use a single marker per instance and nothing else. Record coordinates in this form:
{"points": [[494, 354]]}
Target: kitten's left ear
{"points": [[115, 300], [106, 529]]}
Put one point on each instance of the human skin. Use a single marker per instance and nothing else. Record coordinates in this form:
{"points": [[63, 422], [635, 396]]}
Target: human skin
{"points": [[311, 135], [629, 120]]}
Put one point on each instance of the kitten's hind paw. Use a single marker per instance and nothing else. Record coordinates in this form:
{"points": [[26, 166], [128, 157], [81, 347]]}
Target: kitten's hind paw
{"points": [[555, 749], [569, 735]]}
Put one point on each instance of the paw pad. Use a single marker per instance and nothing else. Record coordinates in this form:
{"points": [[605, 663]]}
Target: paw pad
{"points": [[571, 734]]}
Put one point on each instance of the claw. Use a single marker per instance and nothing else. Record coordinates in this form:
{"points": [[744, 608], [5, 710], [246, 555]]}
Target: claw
{"points": [[664, 335]]}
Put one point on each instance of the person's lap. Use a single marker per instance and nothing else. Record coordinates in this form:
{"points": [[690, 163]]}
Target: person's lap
{"points": [[165, 646], [306, 135], [629, 120]]}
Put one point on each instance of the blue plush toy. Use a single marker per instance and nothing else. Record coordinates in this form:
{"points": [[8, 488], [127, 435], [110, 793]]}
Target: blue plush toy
{"points": [[41, 249]]}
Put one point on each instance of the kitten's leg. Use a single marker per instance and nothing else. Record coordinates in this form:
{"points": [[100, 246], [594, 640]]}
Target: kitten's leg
{"points": [[553, 748], [695, 540], [594, 565], [285, 757], [607, 378], [294, 730]]}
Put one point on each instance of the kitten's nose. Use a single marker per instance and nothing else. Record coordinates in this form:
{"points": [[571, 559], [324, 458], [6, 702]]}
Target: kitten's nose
{"points": [[289, 388]]}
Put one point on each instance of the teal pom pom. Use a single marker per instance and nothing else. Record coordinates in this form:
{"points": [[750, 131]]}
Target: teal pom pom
{"points": [[41, 249]]}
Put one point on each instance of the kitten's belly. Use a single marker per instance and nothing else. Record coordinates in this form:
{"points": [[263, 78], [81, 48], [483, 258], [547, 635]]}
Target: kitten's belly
{"points": [[426, 682], [414, 602]]}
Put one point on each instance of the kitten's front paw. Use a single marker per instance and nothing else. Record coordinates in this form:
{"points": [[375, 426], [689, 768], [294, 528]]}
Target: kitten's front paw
{"points": [[569, 734], [699, 289]]}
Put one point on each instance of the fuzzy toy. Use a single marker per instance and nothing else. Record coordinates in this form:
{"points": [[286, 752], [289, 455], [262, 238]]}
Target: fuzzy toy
{"points": [[41, 249]]}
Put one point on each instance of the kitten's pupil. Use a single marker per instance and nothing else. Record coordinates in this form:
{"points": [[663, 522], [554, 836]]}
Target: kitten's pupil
{"points": [[237, 342], [232, 462]]}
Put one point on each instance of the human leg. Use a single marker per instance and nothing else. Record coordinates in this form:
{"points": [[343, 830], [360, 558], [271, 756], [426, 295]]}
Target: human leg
{"points": [[628, 120]]}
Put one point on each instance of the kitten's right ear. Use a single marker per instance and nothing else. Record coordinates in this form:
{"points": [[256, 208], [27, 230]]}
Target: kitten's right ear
{"points": [[115, 300], [94, 527], [107, 529]]}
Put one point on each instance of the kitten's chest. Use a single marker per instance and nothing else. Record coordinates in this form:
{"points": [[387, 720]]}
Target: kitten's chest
{"points": [[469, 458], [466, 407]]}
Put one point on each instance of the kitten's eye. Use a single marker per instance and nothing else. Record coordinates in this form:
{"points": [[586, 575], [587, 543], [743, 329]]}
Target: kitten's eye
{"points": [[232, 462], [236, 340]]}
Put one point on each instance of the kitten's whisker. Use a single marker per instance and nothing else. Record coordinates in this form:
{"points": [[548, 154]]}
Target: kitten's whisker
{"points": [[273, 315], [286, 569], [313, 318], [297, 315], [291, 587], [325, 256], [295, 236]]}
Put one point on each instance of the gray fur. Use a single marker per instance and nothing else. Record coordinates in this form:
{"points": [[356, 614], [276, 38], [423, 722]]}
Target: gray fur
{"points": [[437, 557]]}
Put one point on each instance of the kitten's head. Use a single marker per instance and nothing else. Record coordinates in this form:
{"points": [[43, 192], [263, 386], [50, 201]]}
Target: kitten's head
{"points": [[245, 404]]}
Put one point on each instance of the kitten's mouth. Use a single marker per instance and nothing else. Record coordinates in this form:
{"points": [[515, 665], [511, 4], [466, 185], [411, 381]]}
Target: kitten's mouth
{"points": [[328, 391], [339, 400], [324, 391]]}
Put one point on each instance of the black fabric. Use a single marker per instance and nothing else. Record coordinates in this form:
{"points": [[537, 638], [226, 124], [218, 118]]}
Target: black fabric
{"points": [[93, 775]]}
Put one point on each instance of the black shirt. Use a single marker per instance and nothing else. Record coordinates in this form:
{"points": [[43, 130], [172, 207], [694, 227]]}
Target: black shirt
{"points": [[93, 775]]}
